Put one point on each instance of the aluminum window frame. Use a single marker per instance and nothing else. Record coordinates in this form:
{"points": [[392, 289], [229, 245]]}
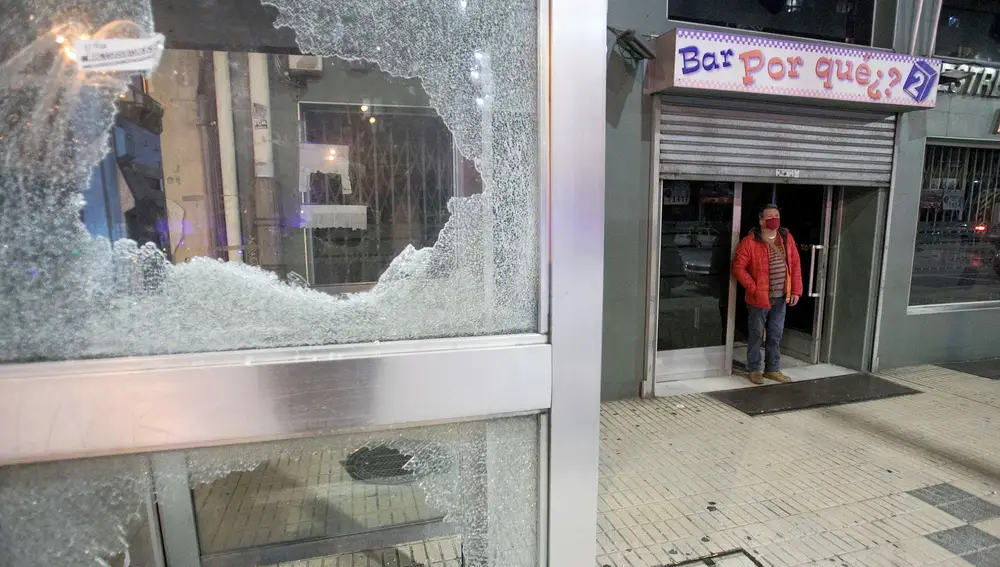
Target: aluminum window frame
{"points": [[933, 27], [448, 379], [952, 306], [882, 32]]}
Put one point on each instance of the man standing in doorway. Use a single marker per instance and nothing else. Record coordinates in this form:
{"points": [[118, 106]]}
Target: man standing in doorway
{"points": [[767, 265]]}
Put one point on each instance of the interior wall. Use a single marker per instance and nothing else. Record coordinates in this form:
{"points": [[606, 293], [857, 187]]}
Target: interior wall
{"points": [[175, 86], [626, 220], [859, 256]]}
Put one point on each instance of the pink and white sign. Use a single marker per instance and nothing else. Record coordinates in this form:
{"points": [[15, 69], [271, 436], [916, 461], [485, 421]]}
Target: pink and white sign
{"points": [[691, 59]]}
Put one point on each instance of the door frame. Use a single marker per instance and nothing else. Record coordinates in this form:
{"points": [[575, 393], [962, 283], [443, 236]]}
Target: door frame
{"points": [[795, 342], [701, 362], [704, 362]]}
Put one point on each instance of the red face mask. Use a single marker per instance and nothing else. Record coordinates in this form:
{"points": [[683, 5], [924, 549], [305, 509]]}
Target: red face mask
{"points": [[772, 224]]}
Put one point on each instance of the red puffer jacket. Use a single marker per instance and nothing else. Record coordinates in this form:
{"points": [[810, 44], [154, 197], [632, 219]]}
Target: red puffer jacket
{"points": [[750, 267]]}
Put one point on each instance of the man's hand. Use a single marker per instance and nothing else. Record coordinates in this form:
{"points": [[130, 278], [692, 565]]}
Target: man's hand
{"points": [[794, 301]]}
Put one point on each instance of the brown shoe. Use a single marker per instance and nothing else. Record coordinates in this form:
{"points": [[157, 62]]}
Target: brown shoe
{"points": [[777, 377], [756, 377]]}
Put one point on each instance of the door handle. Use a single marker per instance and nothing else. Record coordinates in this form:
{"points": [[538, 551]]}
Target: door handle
{"points": [[812, 269]]}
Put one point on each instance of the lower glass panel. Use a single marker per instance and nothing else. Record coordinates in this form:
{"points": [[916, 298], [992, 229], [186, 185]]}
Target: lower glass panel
{"points": [[694, 263], [72, 513], [310, 492], [456, 494]]}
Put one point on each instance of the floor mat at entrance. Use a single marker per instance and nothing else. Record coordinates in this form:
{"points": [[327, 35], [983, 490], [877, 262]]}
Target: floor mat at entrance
{"points": [[822, 392], [983, 368]]}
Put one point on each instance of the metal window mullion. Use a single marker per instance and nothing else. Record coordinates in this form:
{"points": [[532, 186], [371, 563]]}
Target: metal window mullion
{"points": [[985, 195], [544, 194], [391, 181], [972, 208], [968, 187], [426, 229], [980, 192], [178, 529], [926, 174], [376, 192], [988, 184], [965, 179], [979, 175], [578, 52], [944, 168], [994, 210], [984, 172], [939, 214], [408, 159], [199, 404]]}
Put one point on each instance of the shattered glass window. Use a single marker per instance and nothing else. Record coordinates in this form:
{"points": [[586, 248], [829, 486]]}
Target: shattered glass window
{"points": [[73, 513], [437, 496], [298, 172]]}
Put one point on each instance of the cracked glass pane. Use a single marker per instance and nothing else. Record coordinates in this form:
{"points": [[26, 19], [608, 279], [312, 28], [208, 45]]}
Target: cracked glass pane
{"points": [[445, 495], [427, 496], [73, 513], [381, 186]]}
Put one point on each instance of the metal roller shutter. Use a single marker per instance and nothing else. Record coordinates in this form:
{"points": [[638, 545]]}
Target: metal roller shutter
{"points": [[748, 141]]}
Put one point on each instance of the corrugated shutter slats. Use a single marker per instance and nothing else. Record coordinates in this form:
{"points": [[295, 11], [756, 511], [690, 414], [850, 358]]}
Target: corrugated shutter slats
{"points": [[744, 140]]}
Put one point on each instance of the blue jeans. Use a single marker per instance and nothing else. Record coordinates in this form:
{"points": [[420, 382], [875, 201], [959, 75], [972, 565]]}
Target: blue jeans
{"points": [[773, 320]]}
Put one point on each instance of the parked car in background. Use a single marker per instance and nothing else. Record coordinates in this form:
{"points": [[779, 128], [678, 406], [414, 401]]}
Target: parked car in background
{"points": [[940, 232]]}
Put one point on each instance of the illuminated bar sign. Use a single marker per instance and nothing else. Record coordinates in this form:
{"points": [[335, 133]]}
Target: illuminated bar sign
{"points": [[713, 61]]}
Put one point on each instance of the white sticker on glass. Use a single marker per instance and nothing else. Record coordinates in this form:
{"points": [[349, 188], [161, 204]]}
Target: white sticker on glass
{"points": [[119, 54]]}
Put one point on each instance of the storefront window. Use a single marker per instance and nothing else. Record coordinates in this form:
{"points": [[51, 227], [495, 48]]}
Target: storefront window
{"points": [[848, 21], [695, 246], [969, 29], [464, 494], [382, 187], [957, 257]]}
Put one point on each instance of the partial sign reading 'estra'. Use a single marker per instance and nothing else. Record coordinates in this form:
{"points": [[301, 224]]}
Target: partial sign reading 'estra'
{"points": [[728, 62]]}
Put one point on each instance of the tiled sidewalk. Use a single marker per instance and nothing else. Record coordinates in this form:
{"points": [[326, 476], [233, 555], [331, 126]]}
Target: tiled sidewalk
{"points": [[687, 476], [898, 482], [289, 499]]}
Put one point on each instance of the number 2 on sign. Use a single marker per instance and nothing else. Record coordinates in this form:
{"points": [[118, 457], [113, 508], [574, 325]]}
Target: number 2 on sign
{"points": [[913, 89]]}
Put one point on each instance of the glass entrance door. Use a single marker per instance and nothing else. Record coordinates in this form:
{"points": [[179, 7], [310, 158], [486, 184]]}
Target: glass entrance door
{"points": [[693, 330], [805, 212]]}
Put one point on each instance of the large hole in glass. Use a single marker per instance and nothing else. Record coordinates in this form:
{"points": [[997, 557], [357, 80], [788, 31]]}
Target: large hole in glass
{"points": [[210, 217]]}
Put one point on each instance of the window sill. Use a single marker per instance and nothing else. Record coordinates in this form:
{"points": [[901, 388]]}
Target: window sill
{"points": [[952, 307]]}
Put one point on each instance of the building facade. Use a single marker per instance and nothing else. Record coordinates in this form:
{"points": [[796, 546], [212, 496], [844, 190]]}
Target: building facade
{"points": [[899, 227], [300, 282]]}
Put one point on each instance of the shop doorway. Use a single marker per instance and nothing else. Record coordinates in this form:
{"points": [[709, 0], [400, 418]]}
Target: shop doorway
{"points": [[805, 212], [698, 317], [693, 321]]}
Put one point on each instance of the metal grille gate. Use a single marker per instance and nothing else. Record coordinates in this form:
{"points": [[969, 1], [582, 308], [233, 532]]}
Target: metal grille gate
{"points": [[729, 139], [959, 220], [402, 167]]}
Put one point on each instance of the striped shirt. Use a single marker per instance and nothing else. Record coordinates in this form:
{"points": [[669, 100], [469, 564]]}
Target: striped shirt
{"points": [[777, 268]]}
